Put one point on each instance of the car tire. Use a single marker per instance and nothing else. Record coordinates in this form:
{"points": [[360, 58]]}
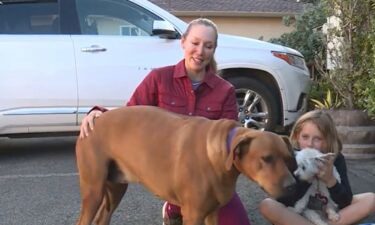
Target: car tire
{"points": [[260, 110]]}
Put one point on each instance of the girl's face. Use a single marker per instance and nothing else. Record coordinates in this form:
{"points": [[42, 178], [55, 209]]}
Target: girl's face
{"points": [[311, 137], [199, 47]]}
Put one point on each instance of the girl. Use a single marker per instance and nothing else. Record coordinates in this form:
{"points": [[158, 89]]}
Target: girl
{"points": [[316, 129]]}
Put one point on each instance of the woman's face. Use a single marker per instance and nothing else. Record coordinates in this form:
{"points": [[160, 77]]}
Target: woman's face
{"points": [[311, 137], [199, 47]]}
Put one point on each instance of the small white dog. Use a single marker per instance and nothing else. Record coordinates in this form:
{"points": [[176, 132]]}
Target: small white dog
{"points": [[317, 196]]}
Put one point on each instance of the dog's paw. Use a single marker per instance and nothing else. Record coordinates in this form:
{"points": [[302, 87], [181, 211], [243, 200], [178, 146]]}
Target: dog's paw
{"points": [[333, 216], [320, 223]]}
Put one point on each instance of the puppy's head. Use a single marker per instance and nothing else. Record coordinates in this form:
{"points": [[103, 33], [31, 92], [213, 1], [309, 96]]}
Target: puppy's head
{"points": [[263, 157], [308, 161]]}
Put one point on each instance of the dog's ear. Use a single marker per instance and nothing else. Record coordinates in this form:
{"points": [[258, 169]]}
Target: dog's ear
{"points": [[328, 156], [242, 137], [291, 161], [287, 142]]}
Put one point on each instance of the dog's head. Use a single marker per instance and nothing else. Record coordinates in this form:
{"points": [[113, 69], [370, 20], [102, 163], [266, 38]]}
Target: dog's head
{"points": [[308, 160], [263, 157]]}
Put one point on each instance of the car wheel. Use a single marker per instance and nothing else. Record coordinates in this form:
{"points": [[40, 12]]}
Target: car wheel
{"points": [[257, 106]]}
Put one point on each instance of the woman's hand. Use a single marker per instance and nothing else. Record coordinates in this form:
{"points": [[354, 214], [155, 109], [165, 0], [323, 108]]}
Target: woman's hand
{"points": [[88, 122], [325, 173]]}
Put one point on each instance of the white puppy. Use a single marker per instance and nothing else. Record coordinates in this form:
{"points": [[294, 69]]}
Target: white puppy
{"points": [[317, 196]]}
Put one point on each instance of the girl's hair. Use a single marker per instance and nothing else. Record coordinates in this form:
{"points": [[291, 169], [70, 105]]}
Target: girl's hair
{"points": [[208, 23], [326, 126]]}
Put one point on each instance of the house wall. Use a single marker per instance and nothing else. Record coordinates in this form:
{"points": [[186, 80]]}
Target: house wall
{"points": [[254, 27]]}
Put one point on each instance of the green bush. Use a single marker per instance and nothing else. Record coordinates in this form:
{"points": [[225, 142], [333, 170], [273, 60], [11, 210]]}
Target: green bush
{"points": [[307, 36], [353, 78]]}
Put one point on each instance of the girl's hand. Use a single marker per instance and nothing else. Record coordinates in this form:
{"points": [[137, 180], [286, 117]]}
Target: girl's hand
{"points": [[325, 173], [88, 122]]}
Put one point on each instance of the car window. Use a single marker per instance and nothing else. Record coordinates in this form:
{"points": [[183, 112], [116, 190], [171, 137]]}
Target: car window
{"points": [[114, 17], [29, 17]]}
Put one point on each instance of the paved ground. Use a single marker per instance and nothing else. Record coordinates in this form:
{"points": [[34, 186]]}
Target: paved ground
{"points": [[39, 186]]}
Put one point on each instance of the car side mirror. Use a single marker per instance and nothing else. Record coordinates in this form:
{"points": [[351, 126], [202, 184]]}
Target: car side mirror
{"points": [[164, 29]]}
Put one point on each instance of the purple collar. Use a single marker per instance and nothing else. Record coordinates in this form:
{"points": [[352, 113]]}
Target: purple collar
{"points": [[230, 136]]}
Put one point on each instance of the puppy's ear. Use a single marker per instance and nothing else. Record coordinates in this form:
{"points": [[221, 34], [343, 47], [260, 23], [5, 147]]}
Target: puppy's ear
{"points": [[320, 160], [328, 156]]}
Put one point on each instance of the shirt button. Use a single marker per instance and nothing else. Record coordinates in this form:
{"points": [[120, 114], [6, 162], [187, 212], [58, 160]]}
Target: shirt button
{"points": [[190, 113], [208, 108], [173, 103], [192, 91]]}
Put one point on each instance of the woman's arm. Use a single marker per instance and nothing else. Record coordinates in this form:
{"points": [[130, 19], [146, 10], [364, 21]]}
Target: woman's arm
{"points": [[145, 94], [230, 105]]}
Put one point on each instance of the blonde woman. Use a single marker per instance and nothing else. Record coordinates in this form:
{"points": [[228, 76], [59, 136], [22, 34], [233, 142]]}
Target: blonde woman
{"points": [[190, 87]]}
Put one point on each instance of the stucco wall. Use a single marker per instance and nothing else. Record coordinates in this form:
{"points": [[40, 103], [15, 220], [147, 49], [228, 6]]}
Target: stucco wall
{"points": [[254, 27]]}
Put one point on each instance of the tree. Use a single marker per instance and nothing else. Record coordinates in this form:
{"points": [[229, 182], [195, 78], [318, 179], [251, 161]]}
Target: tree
{"points": [[352, 52], [307, 36]]}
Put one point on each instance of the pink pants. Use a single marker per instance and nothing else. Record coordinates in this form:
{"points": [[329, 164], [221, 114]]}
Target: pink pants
{"points": [[232, 213]]}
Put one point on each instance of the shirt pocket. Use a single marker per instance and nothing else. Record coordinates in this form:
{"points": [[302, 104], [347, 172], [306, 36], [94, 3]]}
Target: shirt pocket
{"points": [[210, 110], [173, 103]]}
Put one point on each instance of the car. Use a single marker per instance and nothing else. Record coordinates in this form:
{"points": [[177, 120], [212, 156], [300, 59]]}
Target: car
{"points": [[59, 58]]}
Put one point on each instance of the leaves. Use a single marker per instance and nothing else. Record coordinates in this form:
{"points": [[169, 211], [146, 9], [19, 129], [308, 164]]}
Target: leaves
{"points": [[307, 37], [352, 81], [328, 102]]}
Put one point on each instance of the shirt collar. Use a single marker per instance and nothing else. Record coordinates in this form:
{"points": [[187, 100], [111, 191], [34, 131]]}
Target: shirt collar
{"points": [[180, 72]]}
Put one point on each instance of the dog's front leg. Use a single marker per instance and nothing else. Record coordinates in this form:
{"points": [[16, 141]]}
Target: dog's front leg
{"points": [[192, 215], [331, 212], [212, 218], [314, 217], [192, 221], [301, 204]]}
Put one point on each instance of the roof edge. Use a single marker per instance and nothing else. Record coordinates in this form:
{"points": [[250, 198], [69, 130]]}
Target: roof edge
{"points": [[232, 13]]}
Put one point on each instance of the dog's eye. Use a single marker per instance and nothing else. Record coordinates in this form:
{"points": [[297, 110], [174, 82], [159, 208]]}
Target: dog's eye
{"points": [[267, 159], [303, 167]]}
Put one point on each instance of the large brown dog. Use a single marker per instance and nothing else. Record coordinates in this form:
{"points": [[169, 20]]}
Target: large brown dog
{"points": [[184, 160]]}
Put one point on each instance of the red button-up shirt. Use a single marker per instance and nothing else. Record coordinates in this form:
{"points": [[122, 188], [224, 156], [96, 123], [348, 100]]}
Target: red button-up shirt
{"points": [[170, 88]]}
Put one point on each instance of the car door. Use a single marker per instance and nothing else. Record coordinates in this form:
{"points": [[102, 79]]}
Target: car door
{"points": [[116, 50], [38, 90]]}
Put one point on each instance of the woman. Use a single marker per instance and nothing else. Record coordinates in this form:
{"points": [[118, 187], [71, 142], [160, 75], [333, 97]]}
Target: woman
{"points": [[190, 87], [316, 129]]}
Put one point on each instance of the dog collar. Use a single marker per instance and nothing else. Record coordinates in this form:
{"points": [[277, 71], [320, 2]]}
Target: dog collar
{"points": [[230, 137]]}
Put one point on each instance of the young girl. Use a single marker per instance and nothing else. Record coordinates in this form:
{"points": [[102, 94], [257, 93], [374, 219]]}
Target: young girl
{"points": [[316, 129]]}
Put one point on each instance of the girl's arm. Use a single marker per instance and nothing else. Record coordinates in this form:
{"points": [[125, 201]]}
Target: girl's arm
{"points": [[341, 193]]}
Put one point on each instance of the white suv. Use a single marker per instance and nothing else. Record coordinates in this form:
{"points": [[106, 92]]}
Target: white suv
{"points": [[59, 58]]}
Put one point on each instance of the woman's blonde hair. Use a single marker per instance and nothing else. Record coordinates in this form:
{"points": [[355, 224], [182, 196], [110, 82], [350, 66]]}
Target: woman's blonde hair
{"points": [[208, 23], [326, 126]]}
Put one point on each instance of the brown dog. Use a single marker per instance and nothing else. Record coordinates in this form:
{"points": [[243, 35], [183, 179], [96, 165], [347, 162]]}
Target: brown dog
{"points": [[184, 160]]}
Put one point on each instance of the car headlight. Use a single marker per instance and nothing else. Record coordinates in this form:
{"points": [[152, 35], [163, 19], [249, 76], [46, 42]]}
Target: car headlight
{"points": [[291, 59]]}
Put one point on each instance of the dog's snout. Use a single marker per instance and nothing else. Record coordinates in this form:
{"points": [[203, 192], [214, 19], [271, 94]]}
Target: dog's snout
{"points": [[291, 188], [289, 184]]}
